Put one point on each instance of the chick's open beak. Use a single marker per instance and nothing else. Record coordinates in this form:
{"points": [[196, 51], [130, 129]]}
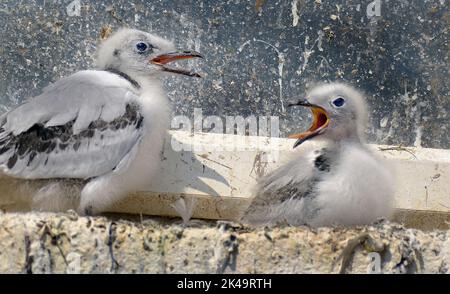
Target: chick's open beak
{"points": [[163, 59], [320, 121]]}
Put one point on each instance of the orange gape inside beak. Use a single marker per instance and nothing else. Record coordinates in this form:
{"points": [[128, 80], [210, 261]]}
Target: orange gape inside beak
{"points": [[319, 123]]}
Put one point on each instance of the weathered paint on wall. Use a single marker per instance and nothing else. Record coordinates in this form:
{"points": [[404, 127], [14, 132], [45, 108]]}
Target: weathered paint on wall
{"points": [[259, 55]]}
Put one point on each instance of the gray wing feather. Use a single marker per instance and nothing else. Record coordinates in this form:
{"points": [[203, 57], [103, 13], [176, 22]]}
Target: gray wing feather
{"points": [[287, 181], [291, 181], [80, 127], [79, 95]]}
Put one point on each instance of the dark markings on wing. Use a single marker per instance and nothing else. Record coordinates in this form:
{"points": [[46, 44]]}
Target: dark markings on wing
{"points": [[322, 163], [291, 191], [295, 190], [41, 139], [268, 197]]}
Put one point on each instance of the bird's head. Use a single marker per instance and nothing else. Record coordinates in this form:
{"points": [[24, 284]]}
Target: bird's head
{"points": [[137, 53], [338, 111]]}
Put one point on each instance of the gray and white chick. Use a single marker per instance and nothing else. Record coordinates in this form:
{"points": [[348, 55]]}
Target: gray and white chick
{"points": [[339, 183], [91, 138]]}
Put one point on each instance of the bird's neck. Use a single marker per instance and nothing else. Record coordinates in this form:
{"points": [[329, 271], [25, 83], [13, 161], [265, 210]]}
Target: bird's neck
{"points": [[149, 83], [345, 135], [137, 80], [341, 143], [125, 76], [153, 95], [352, 139]]}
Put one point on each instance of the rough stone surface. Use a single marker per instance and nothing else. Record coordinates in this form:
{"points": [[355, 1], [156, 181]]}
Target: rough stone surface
{"points": [[59, 243], [259, 55]]}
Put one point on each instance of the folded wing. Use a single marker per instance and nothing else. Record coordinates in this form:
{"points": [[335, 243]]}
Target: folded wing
{"points": [[82, 126]]}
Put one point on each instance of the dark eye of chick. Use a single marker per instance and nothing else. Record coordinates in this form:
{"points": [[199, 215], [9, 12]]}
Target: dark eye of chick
{"points": [[339, 102], [143, 47]]}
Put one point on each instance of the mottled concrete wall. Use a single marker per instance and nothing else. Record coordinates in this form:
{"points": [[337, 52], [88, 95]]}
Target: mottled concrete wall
{"points": [[259, 55], [59, 243]]}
